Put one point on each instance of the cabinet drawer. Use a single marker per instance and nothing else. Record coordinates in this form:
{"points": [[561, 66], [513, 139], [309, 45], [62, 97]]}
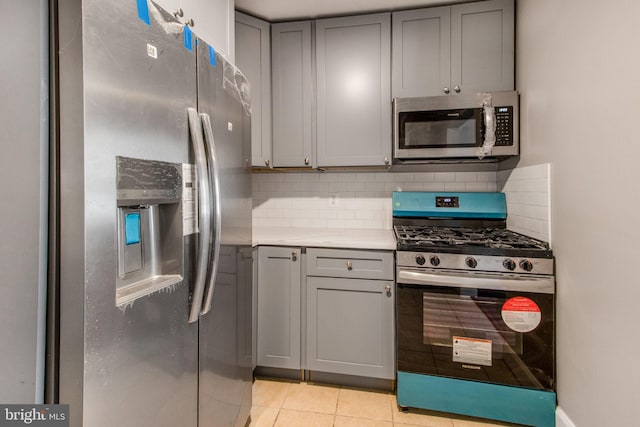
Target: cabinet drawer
{"points": [[350, 264]]}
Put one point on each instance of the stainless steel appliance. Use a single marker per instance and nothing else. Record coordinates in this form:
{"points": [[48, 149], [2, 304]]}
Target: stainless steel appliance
{"points": [[472, 127], [154, 213], [475, 310]]}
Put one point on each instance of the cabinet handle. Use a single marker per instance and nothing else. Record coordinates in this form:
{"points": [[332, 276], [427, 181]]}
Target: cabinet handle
{"points": [[267, 162], [178, 13], [294, 256], [457, 89], [349, 265], [386, 160], [387, 289], [306, 161], [446, 89]]}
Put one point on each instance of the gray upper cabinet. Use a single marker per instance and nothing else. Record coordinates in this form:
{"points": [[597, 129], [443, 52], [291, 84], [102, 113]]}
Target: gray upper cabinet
{"points": [[482, 46], [353, 57], [253, 57], [421, 51], [464, 48], [292, 94], [213, 22], [278, 326]]}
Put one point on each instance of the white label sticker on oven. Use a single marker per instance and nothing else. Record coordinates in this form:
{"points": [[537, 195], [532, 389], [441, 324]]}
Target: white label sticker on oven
{"points": [[472, 350], [521, 314]]}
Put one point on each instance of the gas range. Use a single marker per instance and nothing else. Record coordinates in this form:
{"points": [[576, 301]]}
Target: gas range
{"points": [[433, 230], [475, 307]]}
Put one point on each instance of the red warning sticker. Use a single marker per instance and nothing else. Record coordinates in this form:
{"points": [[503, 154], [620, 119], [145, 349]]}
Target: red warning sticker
{"points": [[521, 314]]}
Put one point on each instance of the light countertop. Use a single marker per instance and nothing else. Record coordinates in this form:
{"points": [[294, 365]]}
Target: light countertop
{"points": [[324, 238]]}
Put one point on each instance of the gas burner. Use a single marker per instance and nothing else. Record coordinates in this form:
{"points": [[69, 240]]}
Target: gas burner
{"points": [[487, 241]]}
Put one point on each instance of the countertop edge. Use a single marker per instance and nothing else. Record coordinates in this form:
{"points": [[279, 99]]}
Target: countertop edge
{"points": [[325, 238]]}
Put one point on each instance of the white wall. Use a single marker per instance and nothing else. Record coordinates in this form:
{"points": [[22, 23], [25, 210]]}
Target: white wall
{"points": [[24, 191], [578, 65]]}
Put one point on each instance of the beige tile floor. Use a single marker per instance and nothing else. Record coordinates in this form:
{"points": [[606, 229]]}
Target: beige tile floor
{"points": [[279, 403]]}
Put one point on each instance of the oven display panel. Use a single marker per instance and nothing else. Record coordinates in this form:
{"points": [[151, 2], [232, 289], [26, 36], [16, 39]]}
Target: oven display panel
{"points": [[447, 202]]}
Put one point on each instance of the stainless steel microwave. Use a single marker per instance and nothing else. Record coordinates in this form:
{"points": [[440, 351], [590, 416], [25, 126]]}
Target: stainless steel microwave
{"points": [[481, 126]]}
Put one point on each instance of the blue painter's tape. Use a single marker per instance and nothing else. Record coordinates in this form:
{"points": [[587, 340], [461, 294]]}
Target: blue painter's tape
{"points": [[188, 38], [212, 56], [143, 11]]}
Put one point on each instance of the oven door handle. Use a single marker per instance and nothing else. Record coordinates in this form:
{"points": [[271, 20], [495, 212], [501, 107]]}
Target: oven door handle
{"points": [[537, 284]]}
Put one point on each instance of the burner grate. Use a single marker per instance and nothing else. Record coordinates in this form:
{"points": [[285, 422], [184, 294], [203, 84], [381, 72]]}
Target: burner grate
{"points": [[438, 237]]}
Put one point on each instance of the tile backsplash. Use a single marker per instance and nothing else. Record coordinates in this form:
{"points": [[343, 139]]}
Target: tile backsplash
{"points": [[528, 200], [348, 199]]}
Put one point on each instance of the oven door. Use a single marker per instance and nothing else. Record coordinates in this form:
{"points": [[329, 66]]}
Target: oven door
{"points": [[477, 326]]}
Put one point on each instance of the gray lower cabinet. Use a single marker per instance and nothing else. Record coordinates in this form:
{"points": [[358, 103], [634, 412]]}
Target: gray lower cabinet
{"points": [[292, 94], [253, 57], [353, 90], [464, 48], [350, 316], [278, 325]]}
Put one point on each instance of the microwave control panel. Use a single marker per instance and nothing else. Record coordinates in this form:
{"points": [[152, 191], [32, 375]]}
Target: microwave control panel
{"points": [[504, 126]]}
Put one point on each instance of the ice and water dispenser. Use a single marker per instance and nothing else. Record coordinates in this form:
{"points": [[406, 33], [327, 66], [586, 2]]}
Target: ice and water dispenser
{"points": [[150, 227]]}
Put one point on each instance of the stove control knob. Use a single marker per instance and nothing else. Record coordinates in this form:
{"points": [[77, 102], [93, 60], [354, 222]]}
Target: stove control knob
{"points": [[471, 262], [420, 260], [434, 260], [526, 265], [509, 264]]}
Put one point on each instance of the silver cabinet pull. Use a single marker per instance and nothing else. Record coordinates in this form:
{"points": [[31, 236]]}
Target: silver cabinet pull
{"points": [[446, 89], [386, 160], [178, 13], [190, 23], [349, 265], [294, 256], [457, 89], [306, 161], [387, 290], [267, 162]]}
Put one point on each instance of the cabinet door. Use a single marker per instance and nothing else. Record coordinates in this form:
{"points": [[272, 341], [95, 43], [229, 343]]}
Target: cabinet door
{"points": [[421, 62], [350, 326], [253, 57], [213, 23], [292, 93], [353, 56], [482, 46], [279, 307]]}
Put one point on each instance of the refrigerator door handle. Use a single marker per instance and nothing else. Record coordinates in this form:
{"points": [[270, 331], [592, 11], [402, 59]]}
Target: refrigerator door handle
{"points": [[217, 215], [204, 213]]}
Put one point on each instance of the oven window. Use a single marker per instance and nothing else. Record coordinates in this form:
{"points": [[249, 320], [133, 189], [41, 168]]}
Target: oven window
{"points": [[442, 128], [461, 333]]}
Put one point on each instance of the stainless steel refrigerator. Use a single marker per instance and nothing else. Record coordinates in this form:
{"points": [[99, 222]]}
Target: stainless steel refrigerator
{"points": [[154, 218]]}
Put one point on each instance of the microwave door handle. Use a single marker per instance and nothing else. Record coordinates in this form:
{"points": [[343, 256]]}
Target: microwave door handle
{"points": [[478, 281], [489, 119], [204, 214], [212, 160]]}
